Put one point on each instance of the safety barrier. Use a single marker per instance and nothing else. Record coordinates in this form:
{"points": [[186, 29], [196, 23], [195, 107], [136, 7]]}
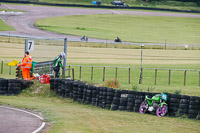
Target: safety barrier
{"points": [[123, 100], [13, 86]]}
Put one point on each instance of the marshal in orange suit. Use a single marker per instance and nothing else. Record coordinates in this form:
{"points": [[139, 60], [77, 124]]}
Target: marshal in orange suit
{"points": [[26, 66]]}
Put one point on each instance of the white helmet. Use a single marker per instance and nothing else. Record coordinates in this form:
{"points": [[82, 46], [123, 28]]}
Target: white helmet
{"points": [[62, 54]]}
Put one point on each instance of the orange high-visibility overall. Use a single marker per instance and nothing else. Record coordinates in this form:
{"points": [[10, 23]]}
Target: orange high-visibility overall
{"points": [[26, 66]]}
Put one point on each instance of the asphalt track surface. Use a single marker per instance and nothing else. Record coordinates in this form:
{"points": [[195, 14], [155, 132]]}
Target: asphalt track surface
{"points": [[14, 120], [24, 23]]}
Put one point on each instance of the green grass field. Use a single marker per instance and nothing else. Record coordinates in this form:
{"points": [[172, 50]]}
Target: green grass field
{"points": [[132, 28], [5, 27], [88, 56], [66, 116]]}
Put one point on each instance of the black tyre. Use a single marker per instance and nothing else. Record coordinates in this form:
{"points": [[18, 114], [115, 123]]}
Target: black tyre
{"points": [[185, 97], [175, 96], [195, 107], [173, 109], [192, 116], [184, 101], [192, 111], [122, 108], [138, 101], [193, 98], [194, 102], [184, 106], [174, 100], [183, 111], [174, 104]]}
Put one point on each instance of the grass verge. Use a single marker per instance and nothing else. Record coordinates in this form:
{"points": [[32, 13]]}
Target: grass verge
{"points": [[68, 116], [5, 27], [131, 28]]}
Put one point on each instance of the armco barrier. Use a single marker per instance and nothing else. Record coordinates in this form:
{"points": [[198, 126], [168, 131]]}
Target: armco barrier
{"points": [[123, 100], [13, 86]]}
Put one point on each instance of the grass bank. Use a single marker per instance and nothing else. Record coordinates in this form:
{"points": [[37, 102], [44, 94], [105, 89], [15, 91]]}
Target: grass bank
{"points": [[131, 28], [5, 27], [66, 116]]}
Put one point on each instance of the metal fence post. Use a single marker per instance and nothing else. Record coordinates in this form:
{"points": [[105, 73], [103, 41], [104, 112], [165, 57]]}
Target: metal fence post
{"points": [[155, 75], [65, 59], [1, 67], [184, 77]]}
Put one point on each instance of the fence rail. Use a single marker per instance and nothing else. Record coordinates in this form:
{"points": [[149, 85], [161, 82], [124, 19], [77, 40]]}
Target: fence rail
{"points": [[128, 75], [79, 71]]}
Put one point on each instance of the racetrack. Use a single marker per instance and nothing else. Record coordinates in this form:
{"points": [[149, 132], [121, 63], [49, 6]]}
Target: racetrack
{"points": [[24, 23], [14, 120]]}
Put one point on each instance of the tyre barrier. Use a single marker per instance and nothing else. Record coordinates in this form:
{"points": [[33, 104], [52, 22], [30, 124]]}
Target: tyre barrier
{"points": [[13, 86], [122, 100]]}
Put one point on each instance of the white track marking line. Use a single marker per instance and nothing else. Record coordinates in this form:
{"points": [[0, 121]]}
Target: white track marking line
{"points": [[115, 12], [37, 130], [40, 128]]}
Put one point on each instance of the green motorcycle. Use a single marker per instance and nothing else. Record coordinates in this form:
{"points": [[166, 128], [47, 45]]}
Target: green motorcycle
{"points": [[155, 104]]}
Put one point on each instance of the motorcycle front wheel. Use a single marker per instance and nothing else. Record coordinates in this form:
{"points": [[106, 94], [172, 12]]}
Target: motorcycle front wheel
{"points": [[161, 112], [143, 108]]}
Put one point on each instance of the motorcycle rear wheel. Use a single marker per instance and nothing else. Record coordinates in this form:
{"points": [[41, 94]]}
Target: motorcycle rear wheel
{"points": [[161, 112], [143, 108]]}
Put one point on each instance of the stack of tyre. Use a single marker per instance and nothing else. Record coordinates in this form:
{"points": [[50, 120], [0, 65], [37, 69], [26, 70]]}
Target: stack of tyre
{"points": [[14, 86], [89, 90], [116, 100], [184, 105], [102, 97], [25, 84], [109, 97], [70, 88], [51, 82], [174, 103], [94, 95], [80, 91], [139, 98], [194, 108], [55, 86], [3, 86], [123, 100], [58, 91], [131, 101], [97, 96], [75, 91], [62, 91], [67, 87]]}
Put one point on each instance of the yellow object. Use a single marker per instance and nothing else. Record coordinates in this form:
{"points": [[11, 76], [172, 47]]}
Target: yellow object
{"points": [[13, 63]]}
